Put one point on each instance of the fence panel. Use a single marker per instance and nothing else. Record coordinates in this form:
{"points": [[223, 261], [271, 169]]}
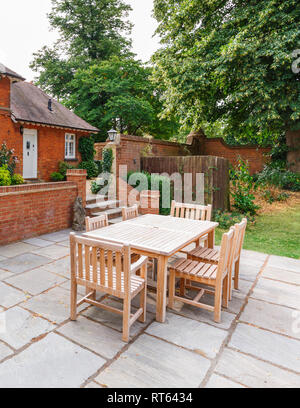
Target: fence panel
{"points": [[215, 169]]}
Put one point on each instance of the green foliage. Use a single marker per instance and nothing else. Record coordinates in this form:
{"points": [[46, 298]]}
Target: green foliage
{"points": [[5, 178], [243, 186], [63, 167], [271, 196], [281, 178], [57, 177], [230, 62], [91, 168], [107, 161], [86, 148], [17, 179], [154, 182], [7, 158], [95, 187], [99, 166], [228, 219]]}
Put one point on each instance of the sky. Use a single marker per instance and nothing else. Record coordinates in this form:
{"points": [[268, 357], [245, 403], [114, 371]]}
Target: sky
{"points": [[24, 29]]}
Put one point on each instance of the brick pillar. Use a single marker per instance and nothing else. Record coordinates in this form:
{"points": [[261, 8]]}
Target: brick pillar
{"points": [[78, 176], [149, 202]]}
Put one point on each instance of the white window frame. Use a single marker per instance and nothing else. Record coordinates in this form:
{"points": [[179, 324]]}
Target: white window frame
{"points": [[68, 143]]}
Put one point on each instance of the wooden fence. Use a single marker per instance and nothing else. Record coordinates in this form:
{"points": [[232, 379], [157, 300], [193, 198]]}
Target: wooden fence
{"points": [[215, 170]]}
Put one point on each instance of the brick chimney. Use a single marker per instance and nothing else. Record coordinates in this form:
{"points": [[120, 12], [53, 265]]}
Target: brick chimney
{"points": [[5, 83]]}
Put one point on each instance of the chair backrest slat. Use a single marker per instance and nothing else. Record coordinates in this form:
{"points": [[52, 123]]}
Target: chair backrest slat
{"points": [[224, 263], [241, 230], [130, 212], [93, 262], [92, 224], [191, 211]]}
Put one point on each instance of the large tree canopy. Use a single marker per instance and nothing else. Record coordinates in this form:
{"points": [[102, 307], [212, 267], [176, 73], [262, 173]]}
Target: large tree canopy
{"points": [[230, 62]]}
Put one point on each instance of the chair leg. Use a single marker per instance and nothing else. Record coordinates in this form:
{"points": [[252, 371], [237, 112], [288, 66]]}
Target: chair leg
{"points": [[230, 284], [236, 274], [126, 318], [73, 315], [171, 289], [218, 300], [225, 291], [143, 296]]}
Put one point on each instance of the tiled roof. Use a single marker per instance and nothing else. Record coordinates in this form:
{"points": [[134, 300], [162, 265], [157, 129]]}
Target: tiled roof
{"points": [[30, 104], [6, 71]]}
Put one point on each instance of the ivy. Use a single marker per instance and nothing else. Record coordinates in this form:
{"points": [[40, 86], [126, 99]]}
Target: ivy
{"points": [[107, 161], [86, 148]]}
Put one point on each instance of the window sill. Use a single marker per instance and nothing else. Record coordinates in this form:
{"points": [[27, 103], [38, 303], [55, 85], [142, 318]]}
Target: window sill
{"points": [[71, 160]]}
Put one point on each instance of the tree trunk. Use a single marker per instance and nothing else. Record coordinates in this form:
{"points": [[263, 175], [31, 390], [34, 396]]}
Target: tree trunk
{"points": [[293, 156]]}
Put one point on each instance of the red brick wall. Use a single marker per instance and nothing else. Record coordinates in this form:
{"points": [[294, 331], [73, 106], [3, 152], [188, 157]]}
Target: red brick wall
{"points": [[256, 156], [51, 141], [34, 209]]}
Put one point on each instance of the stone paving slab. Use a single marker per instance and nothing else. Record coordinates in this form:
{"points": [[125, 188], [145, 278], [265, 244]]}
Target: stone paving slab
{"points": [[2, 258], [277, 292], [216, 381], [253, 372], [150, 362], [271, 347], [64, 243], [53, 362], [35, 281], [10, 296], [53, 305], [284, 263], [5, 274], [16, 249], [193, 335], [94, 336], [24, 262], [53, 251], [247, 271], [57, 236], [22, 327], [114, 320], [277, 318], [282, 275], [61, 267], [93, 384], [38, 242], [4, 352]]}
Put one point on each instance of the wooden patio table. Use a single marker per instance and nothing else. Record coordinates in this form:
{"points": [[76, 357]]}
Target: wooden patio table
{"points": [[159, 237]]}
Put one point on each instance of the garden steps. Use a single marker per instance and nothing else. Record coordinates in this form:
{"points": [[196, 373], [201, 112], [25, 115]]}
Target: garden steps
{"points": [[96, 207]]}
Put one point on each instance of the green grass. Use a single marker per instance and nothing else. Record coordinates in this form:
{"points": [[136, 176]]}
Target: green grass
{"points": [[274, 234]]}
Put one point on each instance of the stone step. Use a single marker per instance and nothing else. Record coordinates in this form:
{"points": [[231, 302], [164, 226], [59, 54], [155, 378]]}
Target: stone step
{"points": [[92, 209], [111, 213], [93, 198]]}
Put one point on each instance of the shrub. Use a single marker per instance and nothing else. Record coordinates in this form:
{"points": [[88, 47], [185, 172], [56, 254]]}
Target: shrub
{"points": [[227, 219], [243, 185], [90, 167], [107, 161], [17, 179], [7, 158], [86, 148], [153, 182], [95, 187], [99, 166], [279, 177], [63, 167], [5, 178], [57, 176]]}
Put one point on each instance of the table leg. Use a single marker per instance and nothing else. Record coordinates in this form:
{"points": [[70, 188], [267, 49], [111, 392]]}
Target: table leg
{"points": [[211, 239], [161, 301]]}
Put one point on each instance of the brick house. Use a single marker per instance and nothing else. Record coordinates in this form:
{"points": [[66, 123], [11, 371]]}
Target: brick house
{"points": [[40, 130]]}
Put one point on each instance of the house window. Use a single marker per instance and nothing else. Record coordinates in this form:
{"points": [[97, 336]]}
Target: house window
{"points": [[70, 146]]}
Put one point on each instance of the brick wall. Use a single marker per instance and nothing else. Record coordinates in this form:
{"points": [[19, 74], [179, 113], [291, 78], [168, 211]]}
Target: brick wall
{"points": [[293, 156], [131, 148], [256, 156], [34, 209], [5, 92]]}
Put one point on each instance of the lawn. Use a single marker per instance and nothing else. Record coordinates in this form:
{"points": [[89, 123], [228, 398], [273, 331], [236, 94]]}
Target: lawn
{"points": [[276, 233]]}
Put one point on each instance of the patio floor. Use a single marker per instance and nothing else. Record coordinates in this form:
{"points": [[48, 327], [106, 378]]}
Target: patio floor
{"points": [[257, 344]]}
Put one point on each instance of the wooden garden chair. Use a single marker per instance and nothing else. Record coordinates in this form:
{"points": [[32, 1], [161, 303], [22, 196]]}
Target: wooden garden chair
{"points": [[193, 212], [212, 256], [92, 224], [100, 274], [130, 212], [211, 275]]}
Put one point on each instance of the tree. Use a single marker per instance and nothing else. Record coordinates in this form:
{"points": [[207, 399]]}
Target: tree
{"points": [[90, 30], [230, 62]]}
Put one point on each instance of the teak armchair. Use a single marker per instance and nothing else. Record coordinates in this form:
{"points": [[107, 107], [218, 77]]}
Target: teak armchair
{"points": [[100, 274], [130, 212], [97, 222], [212, 256], [215, 276]]}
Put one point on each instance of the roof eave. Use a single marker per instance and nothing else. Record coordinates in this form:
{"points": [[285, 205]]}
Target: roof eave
{"points": [[55, 126]]}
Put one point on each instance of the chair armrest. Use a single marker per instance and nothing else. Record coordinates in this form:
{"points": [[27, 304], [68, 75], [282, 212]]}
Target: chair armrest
{"points": [[138, 264]]}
